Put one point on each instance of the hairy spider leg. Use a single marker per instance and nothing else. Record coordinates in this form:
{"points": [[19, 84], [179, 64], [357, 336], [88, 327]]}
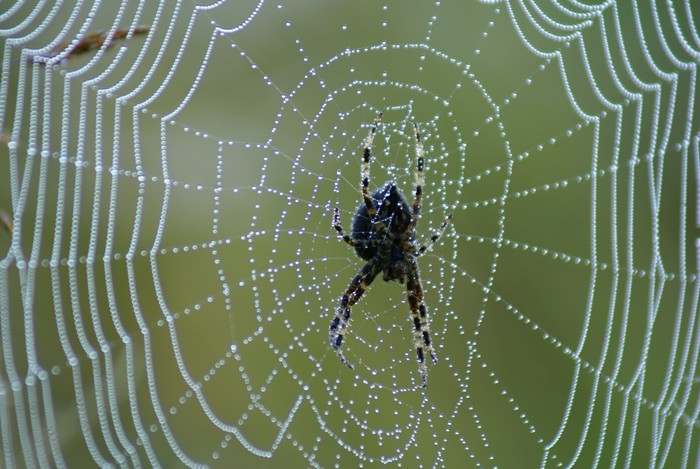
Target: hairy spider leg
{"points": [[420, 156], [435, 235], [364, 243], [421, 331], [419, 179], [339, 324], [366, 196]]}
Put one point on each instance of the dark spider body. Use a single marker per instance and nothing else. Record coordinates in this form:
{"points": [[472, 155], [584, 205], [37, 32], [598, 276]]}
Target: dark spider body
{"points": [[384, 234], [393, 209]]}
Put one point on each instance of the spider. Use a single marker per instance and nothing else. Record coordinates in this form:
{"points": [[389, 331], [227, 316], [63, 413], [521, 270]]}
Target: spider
{"points": [[384, 234]]}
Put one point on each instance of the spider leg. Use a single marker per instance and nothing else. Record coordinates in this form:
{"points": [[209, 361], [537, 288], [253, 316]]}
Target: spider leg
{"points": [[435, 235], [339, 324], [421, 331], [419, 178], [419, 196], [365, 243], [366, 196]]}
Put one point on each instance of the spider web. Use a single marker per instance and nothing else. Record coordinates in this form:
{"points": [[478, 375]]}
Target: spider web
{"points": [[170, 269]]}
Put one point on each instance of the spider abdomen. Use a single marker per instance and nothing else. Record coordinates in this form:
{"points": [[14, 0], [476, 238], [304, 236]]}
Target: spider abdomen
{"points": [[392, 208]]}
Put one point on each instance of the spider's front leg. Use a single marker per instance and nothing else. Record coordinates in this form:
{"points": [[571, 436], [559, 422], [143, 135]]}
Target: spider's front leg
{"points": [[435, 235], [366, 196], [420, 162], [420, 157], [363, 243], [339, 324], [421, 331]]}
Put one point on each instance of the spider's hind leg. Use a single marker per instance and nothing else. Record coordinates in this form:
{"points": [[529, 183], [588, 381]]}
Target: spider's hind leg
{"points": [[421, 331], [340, 322]]}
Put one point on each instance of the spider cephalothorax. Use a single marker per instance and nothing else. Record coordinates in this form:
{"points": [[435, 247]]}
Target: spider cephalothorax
{"points": [[392, 208], [384, 234]]}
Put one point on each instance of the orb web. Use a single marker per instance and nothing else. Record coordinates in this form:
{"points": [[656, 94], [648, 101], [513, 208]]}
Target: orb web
{"points": [[170, 268]]}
